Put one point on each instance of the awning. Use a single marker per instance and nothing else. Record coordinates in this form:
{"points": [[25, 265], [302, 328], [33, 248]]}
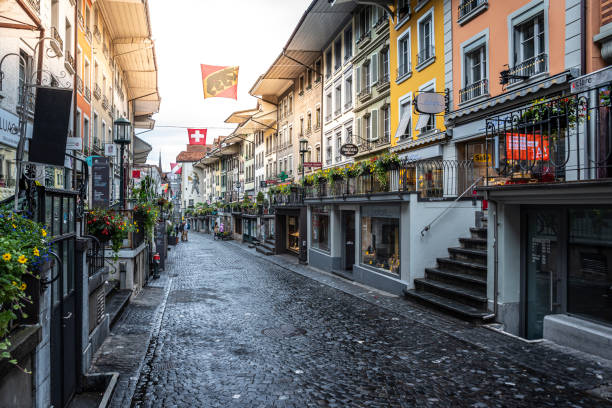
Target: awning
{"points": [[27, 19], [144, 122], [141, 150], [241, 116], [404, 121]]}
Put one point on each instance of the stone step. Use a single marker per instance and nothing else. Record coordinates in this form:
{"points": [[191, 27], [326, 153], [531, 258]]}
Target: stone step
{"points": [[478, 232], [448, 305], [267, 246], [261, 249], [473, 243], [457, 265], [474, 298], [456, 278], [469, 255], [116, 302]]}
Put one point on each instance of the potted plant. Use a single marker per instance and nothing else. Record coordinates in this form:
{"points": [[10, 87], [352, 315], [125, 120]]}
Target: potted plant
{"points": [[109, 227], [146, 215], [24, 254]]}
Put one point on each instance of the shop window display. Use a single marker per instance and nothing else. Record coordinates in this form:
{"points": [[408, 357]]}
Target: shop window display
{"points": [[293, 234], [380, 243], [320, 228]]}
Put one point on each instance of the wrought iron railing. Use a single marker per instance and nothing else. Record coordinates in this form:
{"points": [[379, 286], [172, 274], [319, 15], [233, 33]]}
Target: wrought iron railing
{"points": [[97, 91], [105, 50], [96, 33], [474, 90], [404, 69], [468, 6], [95, 256], [566, 139], [105, 105], [430, 178], [364, 38], [87, 94], [79, 82], [35, 4], [528, 68], [69, 59], [295, 197], [57, 37], [365, 93], [426, 54]]}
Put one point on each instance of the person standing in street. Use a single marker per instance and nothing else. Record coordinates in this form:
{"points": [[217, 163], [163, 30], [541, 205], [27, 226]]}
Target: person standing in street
{"points": [[216, 231], [182, 231], [186, 232]]}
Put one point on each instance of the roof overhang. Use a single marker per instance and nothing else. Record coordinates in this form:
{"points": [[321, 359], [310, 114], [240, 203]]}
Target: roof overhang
{"points": [[241, 116], [141, 150]]}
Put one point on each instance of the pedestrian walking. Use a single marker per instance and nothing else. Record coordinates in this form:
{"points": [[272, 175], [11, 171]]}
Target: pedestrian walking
{"points": [[187, 228], [182, 230]]}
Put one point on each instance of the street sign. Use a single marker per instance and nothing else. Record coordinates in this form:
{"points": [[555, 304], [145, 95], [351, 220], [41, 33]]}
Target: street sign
{"points": [[269, 182], [592, 80], [263, 183], [100, 182], [429, 102], [313, 164], [349, 149]]}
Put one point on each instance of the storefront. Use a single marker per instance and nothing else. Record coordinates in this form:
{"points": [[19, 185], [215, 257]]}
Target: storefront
{"points": [[266, 228], [380, 239], [249, 227], [290, 237]]}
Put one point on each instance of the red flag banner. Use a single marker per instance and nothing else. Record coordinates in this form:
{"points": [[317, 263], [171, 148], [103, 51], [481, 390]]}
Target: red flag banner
{"points": [[197, 136], [526, 147], [220, 82]]}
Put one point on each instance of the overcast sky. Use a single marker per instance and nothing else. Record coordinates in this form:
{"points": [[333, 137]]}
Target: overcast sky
{"points": [[187, 33]]}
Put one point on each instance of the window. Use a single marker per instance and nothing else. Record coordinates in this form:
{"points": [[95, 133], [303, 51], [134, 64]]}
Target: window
{"points": [[317, 69], [86, 133], [309, 122], [301, 88], [475, 74], [384, 69], [529, 48], [338, 53], [328, 63], [78, 123], [338, 145], [348, 92], [95, 129], [318, 117], [308, 79], [426, 122], [103, 134], [380, 240], [365, 72], [426, 45], [386, 123], [290, 104], [290, 164], [328, 106], [338, 96], [405, 109], [367, 127], [328, 150], [348, 134], [320, 228], [318, 151], [68, 38], [363, 23], [348, 43], [403, 10], [22, 75]]}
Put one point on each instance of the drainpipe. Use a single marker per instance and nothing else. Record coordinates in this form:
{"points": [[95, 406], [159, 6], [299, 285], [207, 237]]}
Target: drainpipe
{"points": [[583, 37], [74, 82], [495, 257]]}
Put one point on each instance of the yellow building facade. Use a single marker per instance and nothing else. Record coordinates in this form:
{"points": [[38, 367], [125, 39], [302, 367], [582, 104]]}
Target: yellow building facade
{"points": [[417, 65]]}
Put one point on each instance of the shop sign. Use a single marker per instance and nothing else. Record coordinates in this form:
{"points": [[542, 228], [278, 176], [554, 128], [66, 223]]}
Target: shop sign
{"points": [[110, 149], [382, 211], [481, 158], [100, 182], [592, 80], [349, 149], [313, 164], [271, 182], [74, 143], [263, 184], [526, 147], [9, 129], [430, 103]]}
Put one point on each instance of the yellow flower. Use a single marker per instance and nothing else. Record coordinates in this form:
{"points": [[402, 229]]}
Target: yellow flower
{"points": [[36, 252], [22, 259], [23, 287], [14, 283], [43, 232], [6, 257], [14, 226]]}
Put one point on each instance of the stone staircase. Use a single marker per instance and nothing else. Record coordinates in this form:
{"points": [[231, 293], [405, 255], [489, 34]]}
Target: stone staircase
{"points": [[458, 285], [266, 247]]}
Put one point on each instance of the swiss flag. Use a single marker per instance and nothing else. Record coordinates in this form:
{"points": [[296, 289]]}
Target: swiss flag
{"points": [[197, 136]]}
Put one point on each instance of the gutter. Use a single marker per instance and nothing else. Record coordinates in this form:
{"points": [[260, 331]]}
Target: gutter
{"points": [[583, 37]]}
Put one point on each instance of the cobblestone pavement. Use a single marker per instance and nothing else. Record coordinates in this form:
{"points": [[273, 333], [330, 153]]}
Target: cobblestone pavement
{"points": [[235, 329]]}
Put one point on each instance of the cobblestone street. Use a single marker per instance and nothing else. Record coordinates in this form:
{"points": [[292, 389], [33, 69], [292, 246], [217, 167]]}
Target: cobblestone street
{"points": [[226, 327]]}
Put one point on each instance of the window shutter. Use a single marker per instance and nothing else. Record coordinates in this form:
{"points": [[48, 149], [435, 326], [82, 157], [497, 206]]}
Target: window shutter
{"points": [[374, 125], [374, 65], [360, 135], [358, 80]]}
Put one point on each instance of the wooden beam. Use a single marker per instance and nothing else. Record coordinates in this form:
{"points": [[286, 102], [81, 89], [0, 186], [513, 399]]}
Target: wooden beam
{"points": [[18, 26]]}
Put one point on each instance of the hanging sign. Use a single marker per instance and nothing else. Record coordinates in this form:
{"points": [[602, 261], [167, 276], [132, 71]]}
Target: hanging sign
{"points": [[430, 102], [74, 143], [482, 158], [110, 149], [349, 149], [313, 164], [100, 182], [136, 174]]}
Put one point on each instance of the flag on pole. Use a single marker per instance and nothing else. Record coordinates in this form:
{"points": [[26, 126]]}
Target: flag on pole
{"points": [[175, 168], [197, 136], [221, 82]]}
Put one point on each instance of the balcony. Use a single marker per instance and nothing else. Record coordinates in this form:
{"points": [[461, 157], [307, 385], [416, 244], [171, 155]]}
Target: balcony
{"points": [[473, 91], [97, 91], [528, 68], [105, 51], [562, 140], [348, 105], [69, 62], [79, 84], [308, 131], [383, 83], [295, 197], [404, 71], [58, 44], [80, 18], [431, 179], [468, 9], [87, 94], [364, 39], [35, 4], [88, 35], [96, 33], [425, 57], [365, 94]]}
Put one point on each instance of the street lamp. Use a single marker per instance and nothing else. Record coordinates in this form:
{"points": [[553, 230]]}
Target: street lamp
{"points": [[303, 150], [122, 137]]}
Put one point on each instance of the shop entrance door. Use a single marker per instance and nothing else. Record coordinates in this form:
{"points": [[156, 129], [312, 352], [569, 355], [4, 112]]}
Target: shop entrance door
{"points": [[348, 225], [543, 268]]}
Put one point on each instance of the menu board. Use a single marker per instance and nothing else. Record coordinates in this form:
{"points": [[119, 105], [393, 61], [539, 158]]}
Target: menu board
{"points": [[100, 170]]}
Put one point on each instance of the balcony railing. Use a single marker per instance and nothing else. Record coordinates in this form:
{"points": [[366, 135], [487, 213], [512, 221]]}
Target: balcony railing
{"points": [[430, 178], [294, 198], [88, 34], [69, 61], [80, 18], [87, 94], [365, 94], [97, 91], [328, 117], [468, 7], [383, 82], [367, 145], [79, 83], [403, 70], [566, 139], [96, 33], [105, 50], [338, 112], [475, 90], [364, 39], [348, 104], [426, 54], [35, 4], [59, 46], [528, 68]]}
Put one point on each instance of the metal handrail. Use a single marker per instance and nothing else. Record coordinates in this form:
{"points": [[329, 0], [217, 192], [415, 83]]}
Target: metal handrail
{"points": [[428, 226]]}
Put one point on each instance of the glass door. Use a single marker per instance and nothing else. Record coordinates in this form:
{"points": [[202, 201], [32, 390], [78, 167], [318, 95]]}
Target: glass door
{"points": [[542, 280]]}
